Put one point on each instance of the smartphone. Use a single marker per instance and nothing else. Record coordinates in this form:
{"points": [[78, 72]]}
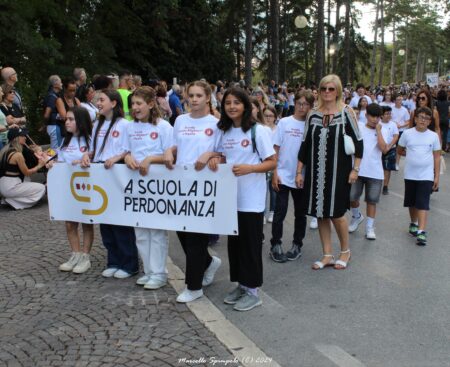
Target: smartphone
{"points": [[52, 158]]}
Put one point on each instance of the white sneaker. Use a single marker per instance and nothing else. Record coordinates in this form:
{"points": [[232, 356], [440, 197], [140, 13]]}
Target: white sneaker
{"points": [[397, 166], [143, 280], [355, 222], [155, 283], [108, 273], [121, 274], [188, 296], [83, 264], [70, 264], [370, 234], [313, 224], [208, 277], [270, 217], [265, 220]]}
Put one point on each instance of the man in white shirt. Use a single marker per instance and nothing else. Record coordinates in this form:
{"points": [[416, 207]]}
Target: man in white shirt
{"points": [[287, 142], [400, 116], [360, 91]]}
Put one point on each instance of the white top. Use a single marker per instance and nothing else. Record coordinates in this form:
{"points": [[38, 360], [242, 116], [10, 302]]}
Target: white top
{"points": [[389, 129], [116, 142], [362, 117], [371, 165], [354, 101], [291, 99], [74, 151], [238, 149], [419, 162], [390, 104], [91, 109], [145, 139], [400, 116], [289, 138], [195, 136]]}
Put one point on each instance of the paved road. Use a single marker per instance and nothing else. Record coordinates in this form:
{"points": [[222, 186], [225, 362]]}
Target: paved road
{"points": [[50, 318], [390, 308]]}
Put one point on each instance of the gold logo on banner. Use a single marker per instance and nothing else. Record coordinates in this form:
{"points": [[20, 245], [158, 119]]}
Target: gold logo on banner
{"points": [[87, 199]]}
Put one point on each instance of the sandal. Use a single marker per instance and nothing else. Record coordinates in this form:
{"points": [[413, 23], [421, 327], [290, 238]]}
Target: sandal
{"points": [[320, 265], [341, 264]]}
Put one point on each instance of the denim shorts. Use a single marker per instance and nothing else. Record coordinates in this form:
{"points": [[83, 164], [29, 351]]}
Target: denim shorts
{"points": [[372, 186], [389, 160]]}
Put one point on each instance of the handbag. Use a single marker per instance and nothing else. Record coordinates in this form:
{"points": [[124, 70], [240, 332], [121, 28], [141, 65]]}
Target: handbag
{"points": [[349, 145]]}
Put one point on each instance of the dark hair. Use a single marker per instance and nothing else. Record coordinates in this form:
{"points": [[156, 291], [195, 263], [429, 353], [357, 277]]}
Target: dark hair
{"points": [[429, 98], [101, 82], [148, 94], [359, 102], [307, 95], [374, 110], [67, 81], [83, 91], [442, 95], [225, 123], [260, 114], [427, 111], [385, 109], [360, 85], [84, 125], [161, 91], [113, 95]]}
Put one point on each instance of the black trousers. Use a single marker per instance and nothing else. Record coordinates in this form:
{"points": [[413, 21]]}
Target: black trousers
{"points": [[281, 207], [195, 247], [245, 251]]}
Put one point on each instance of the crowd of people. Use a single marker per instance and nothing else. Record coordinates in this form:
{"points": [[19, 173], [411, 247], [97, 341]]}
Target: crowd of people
{"points": [[323, 146]]}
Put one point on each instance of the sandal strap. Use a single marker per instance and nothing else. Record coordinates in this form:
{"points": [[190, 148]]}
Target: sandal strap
{"points": [[345, 252], [328, 255]]}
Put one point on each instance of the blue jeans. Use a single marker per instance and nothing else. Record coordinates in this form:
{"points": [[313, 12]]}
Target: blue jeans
{"points": [[281, 207], [54, 132]]}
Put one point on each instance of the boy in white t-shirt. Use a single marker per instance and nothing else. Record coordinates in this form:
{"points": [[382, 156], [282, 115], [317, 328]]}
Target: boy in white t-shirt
{"points": [[422, 149], [390, 134], [401, 117], [370, 175], [287, 142]]}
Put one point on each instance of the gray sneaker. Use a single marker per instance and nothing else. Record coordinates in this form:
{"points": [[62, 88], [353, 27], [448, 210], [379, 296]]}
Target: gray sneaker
{"points": [[247, 302], [234, 296], [83, 264]]}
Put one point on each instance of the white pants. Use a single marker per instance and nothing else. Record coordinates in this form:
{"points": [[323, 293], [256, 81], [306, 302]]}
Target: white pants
{"points": [[20, 195], [153, 246]]}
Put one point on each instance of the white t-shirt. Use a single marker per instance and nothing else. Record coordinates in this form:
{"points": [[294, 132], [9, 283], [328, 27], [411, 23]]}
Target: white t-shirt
{"points": [[419, 162], [400, 116], [237, 147], [195, 136], [371, 165], [362, 117], [289, 138], [91, 109], [145, 139], [291, 98], [389, 104], [74, 151], [354, 101], [389, 129], [116, 142]]}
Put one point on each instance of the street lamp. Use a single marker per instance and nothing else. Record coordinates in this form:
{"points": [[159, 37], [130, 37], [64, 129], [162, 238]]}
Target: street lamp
{"points": [[300, 21], [401, 52]]}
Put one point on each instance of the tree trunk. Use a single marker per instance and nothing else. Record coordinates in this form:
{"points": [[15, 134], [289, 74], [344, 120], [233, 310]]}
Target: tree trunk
{"points": [[327, 49], [346, 76], [319, 62], [417, 78], [381, 74], [248, 42], [374, 49], [394, 54], [275, 23], [238, 54], [269, 40], [307, 78], [405, 61], [336, 35]]}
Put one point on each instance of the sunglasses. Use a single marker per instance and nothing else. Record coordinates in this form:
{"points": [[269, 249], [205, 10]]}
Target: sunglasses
{"points": [[422, 98], [327, 89]]}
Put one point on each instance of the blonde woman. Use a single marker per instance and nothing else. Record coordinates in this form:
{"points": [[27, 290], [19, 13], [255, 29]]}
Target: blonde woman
{"points": [[329, 171]]}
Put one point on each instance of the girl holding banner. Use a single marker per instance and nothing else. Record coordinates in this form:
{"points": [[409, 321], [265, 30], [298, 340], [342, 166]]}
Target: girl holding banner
{"points": [[147, 139], [249, 147], [76, 142], [109, 147], [195, 141]]}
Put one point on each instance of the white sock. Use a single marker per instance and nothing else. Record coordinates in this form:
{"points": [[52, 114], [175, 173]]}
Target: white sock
{"points": [[356, 213], [370, 222]]}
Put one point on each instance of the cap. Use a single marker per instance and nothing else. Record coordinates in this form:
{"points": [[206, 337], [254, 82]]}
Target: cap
{"points": [[14, 133]]}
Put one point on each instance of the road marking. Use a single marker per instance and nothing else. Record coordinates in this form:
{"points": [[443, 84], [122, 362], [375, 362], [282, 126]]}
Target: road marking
{"points": [[338, 356]]}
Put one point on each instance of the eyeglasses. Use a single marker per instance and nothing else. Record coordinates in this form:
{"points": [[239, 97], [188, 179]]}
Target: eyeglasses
{"points": [[424, 118], [269, 116], [422, 98], [327, 89], [303, 104]]}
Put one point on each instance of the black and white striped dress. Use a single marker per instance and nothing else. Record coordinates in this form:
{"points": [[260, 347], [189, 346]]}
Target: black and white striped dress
{"points": [[327, 167]]}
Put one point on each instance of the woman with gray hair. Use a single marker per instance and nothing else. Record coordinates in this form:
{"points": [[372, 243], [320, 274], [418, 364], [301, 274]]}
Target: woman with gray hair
{"points": [[51, 113]]}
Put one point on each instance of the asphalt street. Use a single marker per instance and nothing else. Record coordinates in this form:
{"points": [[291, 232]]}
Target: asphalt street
{"points": [[390, 308]]}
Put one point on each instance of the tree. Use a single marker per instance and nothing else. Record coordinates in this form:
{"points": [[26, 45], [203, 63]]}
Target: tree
{"points": [[374, 50], [275, 39], [319, 59], [248, 41]]}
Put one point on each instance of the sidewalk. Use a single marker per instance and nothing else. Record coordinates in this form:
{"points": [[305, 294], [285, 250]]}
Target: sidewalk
{"points": [[51, 318]]}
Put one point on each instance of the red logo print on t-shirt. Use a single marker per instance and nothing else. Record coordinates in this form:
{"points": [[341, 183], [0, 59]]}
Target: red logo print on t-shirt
{"points": [[83, 149], [115, 134], [209, 132], [245, 143], [154, 135]]}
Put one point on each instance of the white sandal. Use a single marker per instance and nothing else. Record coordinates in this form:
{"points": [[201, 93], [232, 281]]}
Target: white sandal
{"points": [[343, 264], [320, 265]]}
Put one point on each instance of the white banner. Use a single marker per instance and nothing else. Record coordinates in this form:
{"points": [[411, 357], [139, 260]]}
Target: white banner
{"points": [[432, 79], [181, 199]]}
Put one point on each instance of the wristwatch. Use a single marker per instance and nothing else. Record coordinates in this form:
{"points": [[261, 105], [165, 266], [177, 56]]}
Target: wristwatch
{"points": [[356, 169]]}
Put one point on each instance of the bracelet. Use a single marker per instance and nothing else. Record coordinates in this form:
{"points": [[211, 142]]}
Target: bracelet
{"points": [[356, 169]]}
